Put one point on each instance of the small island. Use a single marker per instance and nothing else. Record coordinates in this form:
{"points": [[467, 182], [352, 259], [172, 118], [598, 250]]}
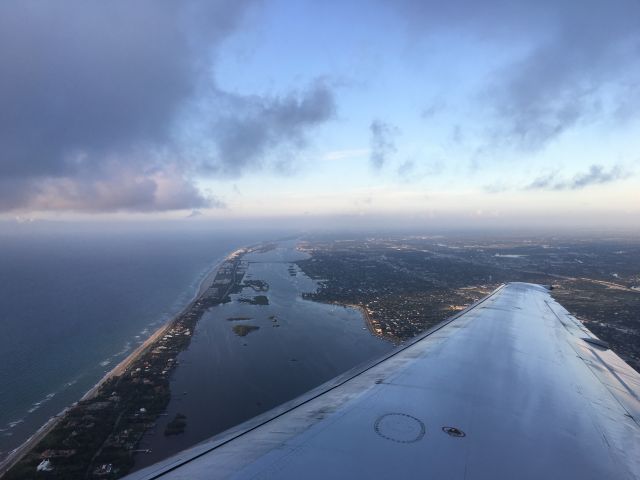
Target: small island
{"points": [[257, 300], [244, 330], [238, 319], [257, 285], [177, 425]]}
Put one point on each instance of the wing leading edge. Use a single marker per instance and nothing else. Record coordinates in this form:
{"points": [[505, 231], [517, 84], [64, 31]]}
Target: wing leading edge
{"points": [[512, 387]]}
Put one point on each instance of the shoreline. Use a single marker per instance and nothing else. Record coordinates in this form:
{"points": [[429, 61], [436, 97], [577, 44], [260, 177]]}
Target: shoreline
{"points": [[367, 320], [370, 325], [19, 452], [126, 362], [365, 315]]}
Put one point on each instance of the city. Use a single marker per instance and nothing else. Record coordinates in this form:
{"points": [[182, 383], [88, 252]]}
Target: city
{"points": [[408, 284]]}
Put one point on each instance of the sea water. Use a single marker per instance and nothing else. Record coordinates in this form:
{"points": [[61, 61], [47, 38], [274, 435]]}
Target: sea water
{"points": [[74, 304], [223, 379]]}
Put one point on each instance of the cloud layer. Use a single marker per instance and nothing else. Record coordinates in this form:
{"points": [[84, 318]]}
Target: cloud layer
{"points": [[596, 175], [111, 106], [246, 128], [576, 61], [382, 143], [95, 95]]}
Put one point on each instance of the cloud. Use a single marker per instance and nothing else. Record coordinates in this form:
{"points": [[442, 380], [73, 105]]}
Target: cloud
{"points": [[382, 143], [457, 135], [543, 182], [97, 77], [406, 169], [596, 175], [116, 190], [433, 109], [246, 127], [110, 103], [575, 62]]}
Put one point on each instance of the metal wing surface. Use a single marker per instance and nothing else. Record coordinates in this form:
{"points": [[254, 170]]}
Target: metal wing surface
{"points": [[512, 387]]}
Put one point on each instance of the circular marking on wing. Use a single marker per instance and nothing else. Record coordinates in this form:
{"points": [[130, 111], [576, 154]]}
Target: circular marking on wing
{"points": [[399, 427], [453, 431]]}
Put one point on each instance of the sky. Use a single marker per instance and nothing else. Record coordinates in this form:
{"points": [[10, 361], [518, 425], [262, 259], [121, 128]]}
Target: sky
{"points": [[437, 113]]}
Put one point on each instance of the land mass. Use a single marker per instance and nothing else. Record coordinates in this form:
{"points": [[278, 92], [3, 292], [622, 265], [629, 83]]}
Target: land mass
{"points": [[257, 300], [244, 330], [406, 284], [402, 285], [98, 436]]}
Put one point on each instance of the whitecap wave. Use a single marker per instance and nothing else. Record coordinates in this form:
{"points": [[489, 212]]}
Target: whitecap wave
{"points": [[15, 423], [36, 405], [125, 349]]}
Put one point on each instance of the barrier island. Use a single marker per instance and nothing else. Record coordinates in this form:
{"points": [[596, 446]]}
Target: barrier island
{"points": [[98, 436]]}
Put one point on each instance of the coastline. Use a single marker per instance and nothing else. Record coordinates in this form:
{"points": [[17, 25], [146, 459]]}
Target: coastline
{"points": [[369, 322], [19, 452], [365, 315], [126, 362]]}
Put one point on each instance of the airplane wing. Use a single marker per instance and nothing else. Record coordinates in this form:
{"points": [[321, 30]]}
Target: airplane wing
{"points": [[512, 387]]}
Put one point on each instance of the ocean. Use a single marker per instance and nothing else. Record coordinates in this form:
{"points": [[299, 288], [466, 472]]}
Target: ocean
{"points": [[74, 304]]}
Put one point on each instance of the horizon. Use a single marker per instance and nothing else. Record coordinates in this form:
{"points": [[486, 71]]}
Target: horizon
{"points": [[310, 227]]}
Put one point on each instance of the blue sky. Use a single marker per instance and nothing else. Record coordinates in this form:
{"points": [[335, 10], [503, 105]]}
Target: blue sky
{"points": [[441, 113]]}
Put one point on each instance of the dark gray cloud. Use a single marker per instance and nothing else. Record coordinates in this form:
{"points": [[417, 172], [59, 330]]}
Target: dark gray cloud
{"points": [[115, 189], [94, 96], [382, 143], [245, 128], [596, 175], [578, 59], [84, 78]]}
